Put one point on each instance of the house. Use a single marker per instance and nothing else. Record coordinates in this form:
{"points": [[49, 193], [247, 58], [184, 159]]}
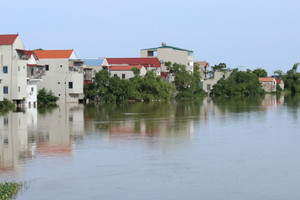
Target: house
{"points": [[268, 84], [203, 68], [280, 83], [208, 83], [152, 64], [13, 64], [170, 54], [124, 71], [34, 75], [91, 66], [63, 74]]}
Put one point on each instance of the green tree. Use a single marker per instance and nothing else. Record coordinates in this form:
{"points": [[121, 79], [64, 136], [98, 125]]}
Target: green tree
{"points": [[136, 71], [260, 72], [46, 98], [239, 83]]}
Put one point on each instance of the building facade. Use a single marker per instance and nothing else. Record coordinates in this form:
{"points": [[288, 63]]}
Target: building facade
{"points": [[170, 54], [268, 84], [13, 66], [63, 74], [124, 72]]}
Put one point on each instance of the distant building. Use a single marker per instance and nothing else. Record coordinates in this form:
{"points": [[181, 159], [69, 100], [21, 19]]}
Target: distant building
{"points": [[170, 54], [117, 65], [91, 66], [63, 74], [280, 83], [208, 83], [268, 84], [203, 68], [124, 71]]}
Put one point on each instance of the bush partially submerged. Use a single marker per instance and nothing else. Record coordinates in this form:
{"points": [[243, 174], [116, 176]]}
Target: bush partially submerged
{"points": [[46, 98], [6, 106]]}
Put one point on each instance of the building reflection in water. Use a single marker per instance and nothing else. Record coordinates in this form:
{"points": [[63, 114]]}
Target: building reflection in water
{"points": [[25, 135]]}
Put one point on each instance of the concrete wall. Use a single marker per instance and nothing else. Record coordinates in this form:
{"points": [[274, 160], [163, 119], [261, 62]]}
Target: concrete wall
{"points": [[57, 80], [210, 82], [128, 74], [269, 86], [31, 100], [174, 56]]}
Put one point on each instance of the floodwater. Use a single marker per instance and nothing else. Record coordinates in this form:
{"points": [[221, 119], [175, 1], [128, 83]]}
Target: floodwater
{"points": [[222, 149]]}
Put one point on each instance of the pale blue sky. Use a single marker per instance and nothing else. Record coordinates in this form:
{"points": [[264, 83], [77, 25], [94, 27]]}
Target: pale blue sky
{"points": [[245, 33]]}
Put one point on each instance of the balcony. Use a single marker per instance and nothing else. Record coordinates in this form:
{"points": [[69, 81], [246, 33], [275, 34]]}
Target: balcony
{"points": [[35, 72], [75, 66]]}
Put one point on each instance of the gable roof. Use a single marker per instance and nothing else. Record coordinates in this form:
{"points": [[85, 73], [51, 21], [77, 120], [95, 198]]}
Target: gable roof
{"points": [[93, 62], [146, 62], [168, 47], [266, 79], [53, 54], [278, 81], [123, 67], [8, 39]]}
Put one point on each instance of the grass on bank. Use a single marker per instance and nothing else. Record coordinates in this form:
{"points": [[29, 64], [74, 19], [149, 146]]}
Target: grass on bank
{"points": [[8, 189]]}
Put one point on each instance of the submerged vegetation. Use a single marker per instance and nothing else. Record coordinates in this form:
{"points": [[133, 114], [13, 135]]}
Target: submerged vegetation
{"points": [[8, 189], [46, 98], [6, 106], [239, 83]]}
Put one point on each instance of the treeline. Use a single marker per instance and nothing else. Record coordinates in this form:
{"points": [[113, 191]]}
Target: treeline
{"points": [[144, 88]]}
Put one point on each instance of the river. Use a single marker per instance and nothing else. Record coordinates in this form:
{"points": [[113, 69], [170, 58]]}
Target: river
{"points": [[207, 149]]}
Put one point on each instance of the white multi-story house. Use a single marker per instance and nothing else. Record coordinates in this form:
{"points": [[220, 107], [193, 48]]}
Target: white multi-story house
{"points": [[63, 75], [13, 65], [170, 54]]}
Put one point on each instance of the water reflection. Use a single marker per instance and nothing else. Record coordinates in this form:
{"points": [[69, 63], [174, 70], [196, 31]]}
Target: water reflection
{"points": [[27, 135]]}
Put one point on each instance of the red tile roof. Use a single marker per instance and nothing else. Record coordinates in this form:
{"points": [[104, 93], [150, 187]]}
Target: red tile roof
{"points": [[52, 54], [8, 39], [266, 79], [146, 62], [123, 67], [278, 81]]}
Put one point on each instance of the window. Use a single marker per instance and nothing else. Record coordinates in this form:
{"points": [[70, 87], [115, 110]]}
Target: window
{"points": [[18, 68], [47, 67], [32, 89], [123, 76], [19, 89], [60, 65], [4, 69], [150, 53], [115, 75], [70, 85], [58, 82], [29, 104], [5, 90]]}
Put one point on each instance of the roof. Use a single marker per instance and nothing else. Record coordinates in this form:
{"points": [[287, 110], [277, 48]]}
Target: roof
{"points": [[266, 79], [93, 62], [146, 62], [123, 67], [8, 39], [278, 81], [52, 54], [168, 47]]}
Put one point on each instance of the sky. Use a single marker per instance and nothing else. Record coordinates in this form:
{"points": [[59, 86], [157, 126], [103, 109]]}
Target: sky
{"points": [[247, 34]]}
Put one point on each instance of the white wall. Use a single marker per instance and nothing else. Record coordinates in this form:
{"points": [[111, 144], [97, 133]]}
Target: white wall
{"points": [[58, 77]]}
